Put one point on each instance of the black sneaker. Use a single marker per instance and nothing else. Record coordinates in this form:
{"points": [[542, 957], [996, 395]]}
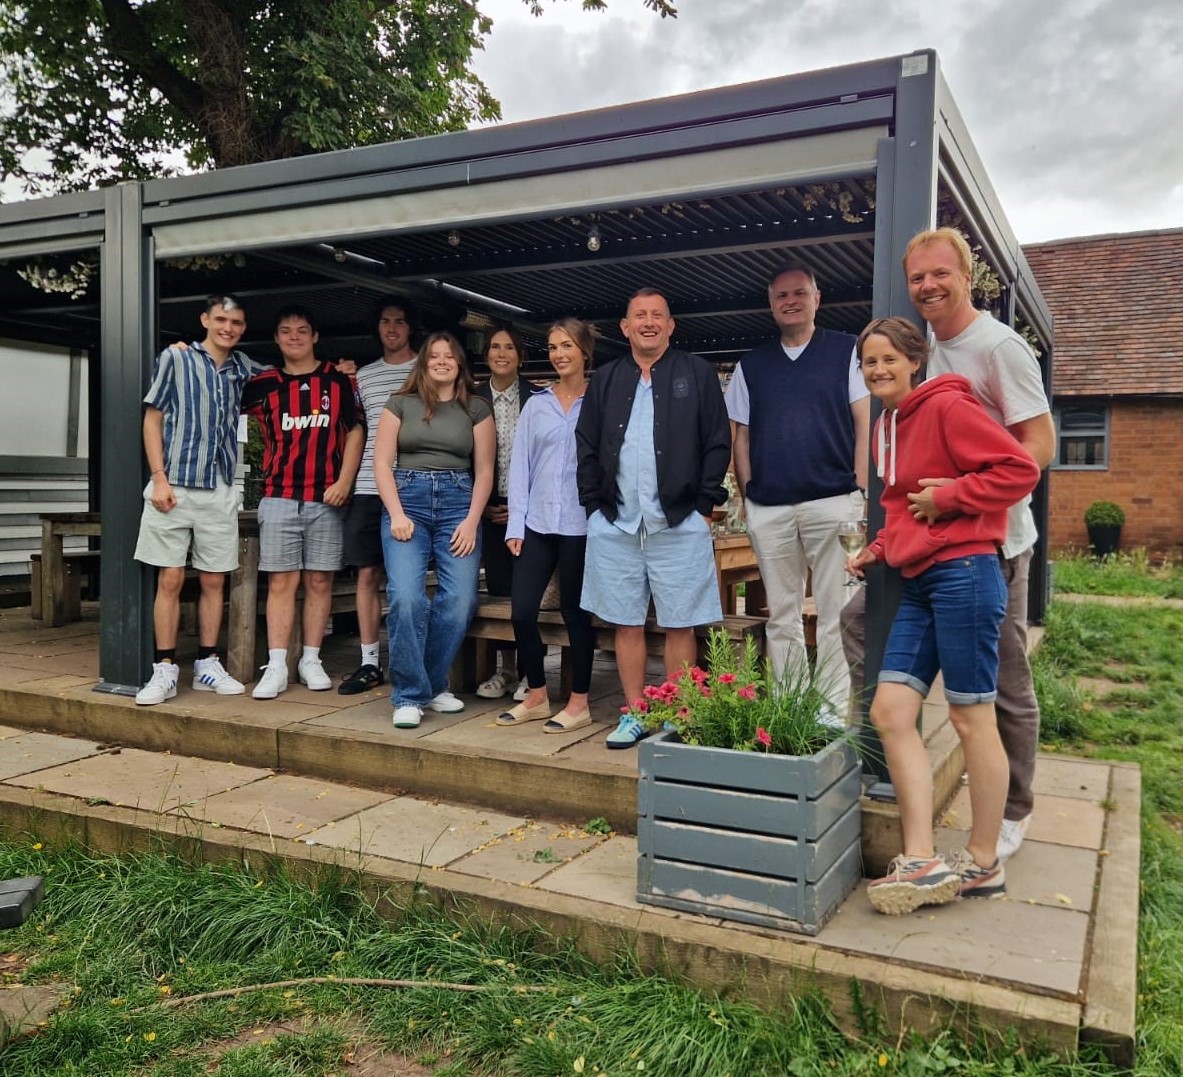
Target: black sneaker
{"points": [[360, 680]]}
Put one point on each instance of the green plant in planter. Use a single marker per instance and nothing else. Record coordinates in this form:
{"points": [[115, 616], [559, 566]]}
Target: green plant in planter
{"points": [[736, 703], [1104, 514]]}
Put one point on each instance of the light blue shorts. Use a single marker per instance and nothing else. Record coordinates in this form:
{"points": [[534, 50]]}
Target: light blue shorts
{"points": [[675, 566]]}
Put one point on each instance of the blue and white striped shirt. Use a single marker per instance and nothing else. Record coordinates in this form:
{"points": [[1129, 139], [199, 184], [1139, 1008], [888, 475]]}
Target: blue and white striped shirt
{"points": [[543, 494], [200, 402]]}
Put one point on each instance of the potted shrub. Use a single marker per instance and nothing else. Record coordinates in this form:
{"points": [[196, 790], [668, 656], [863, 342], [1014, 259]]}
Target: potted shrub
{"points": [[748, 803], [1103, 519]]}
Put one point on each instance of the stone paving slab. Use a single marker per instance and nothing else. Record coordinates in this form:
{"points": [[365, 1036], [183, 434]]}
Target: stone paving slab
{"points": [[416, 831], [1043, 873], [525, 855], [606, 873], [1062, 820], [27, 753], [1081, 778], [1001, 939], [146, 780], [283, 805]]}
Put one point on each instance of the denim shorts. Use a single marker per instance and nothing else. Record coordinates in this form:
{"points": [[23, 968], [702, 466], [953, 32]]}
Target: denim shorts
{"points": [[949, 619]]}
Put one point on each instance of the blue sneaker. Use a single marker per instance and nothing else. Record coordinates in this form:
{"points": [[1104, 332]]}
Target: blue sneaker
{"points": [[627, 733]]}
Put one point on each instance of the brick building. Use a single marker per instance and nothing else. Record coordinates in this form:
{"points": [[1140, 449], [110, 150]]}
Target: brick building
{"points": [[1117, 301]]}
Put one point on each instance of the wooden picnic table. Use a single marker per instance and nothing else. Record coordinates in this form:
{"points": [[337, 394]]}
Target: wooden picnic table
{"points": [[57, 606], [735, 563], [54, 601]]}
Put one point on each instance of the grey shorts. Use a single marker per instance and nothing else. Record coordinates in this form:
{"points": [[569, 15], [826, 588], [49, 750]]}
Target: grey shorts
{"points": [[676, 566], [202, 528], [295, 535]]}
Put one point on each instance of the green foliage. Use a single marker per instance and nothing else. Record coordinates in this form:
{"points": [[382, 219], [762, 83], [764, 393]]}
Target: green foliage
{"points": [[1128, 574], [737, 703], [112, 90], [598, 825], [1104, 514], [124, 917]]}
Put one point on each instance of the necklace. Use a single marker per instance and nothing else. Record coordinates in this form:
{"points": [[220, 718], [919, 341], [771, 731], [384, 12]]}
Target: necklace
{"points": [[568, 397]]}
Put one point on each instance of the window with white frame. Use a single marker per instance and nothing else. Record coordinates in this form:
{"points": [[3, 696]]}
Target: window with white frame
{"points": [[1082, 436]]}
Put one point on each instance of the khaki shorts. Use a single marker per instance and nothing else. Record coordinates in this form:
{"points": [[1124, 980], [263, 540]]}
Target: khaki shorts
{"points": [[201, 529]]}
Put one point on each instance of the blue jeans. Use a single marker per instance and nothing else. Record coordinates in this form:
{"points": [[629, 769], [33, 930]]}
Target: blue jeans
{"points": [[425, 633], [949, 619]]}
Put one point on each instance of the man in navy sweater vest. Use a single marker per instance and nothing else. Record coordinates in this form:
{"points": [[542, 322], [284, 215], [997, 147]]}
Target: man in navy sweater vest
{"points": [[803, 416]]}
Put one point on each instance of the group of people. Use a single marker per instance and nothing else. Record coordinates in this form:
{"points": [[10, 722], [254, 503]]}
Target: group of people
{"points": [[609, 484]]}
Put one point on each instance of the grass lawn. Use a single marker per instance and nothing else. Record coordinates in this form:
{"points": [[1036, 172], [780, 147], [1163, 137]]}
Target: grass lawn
{"points": [[134, 935]]}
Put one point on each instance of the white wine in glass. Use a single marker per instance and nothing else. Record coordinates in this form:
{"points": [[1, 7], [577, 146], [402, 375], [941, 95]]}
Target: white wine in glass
{"points": [[852, 536]]}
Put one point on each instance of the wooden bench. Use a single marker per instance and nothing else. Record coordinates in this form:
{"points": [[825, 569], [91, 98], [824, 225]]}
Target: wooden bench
{"points": [[67, 594], [491, 624]]}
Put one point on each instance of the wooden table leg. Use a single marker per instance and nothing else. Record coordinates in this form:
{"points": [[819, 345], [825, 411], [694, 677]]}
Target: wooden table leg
{"points": [[244, 611], [53, 575]]}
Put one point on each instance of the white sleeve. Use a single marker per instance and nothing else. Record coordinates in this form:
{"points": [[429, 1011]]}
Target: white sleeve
{"points": [[1018, 382], [739, 407], [857, 384]]}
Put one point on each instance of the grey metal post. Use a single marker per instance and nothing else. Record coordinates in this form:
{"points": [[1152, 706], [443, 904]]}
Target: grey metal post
{"points": [[128, 312], [906, 200]]}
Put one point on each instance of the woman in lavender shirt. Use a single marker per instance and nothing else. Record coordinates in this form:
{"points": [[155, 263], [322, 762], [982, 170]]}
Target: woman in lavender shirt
{"points": [[548, 527]]}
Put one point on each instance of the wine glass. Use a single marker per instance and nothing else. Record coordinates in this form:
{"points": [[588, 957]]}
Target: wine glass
{"points": [[852, 537]]}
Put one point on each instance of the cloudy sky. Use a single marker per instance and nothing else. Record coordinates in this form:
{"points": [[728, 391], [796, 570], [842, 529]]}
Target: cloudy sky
{"points": [[1074, 107]]}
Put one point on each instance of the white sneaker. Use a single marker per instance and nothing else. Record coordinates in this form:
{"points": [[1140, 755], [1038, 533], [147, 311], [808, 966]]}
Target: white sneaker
{"points": [[522, 690], [1011, 836], [312, 673], [161, 685], [273, 681], [446, 703], [209, 675], [407, 716]]}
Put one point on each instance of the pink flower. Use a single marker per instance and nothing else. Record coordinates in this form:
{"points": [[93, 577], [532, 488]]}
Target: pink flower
{"points": [[764, 737], [683, 712], [706, 692], [748, 691], [651, 692], [698, 676], [726, 678]]}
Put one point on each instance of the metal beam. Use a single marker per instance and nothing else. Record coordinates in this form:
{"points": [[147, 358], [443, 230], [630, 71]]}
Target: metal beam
{"points": [[128, 312], [630, 250], [906, 200]]}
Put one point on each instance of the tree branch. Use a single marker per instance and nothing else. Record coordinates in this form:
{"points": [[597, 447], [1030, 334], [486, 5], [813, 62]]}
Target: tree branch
{"points": [[127, 39]]}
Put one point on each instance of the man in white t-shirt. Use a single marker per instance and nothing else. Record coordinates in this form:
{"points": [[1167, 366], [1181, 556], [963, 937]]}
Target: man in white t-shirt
{"points": [[395, 318], [1006, 379]]}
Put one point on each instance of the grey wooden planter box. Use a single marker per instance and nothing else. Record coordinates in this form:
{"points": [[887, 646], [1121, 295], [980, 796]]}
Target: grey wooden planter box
{"points": [[763, 839]]}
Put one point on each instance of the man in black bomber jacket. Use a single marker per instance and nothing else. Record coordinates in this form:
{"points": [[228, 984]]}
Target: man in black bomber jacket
{"points": [[654, 444]]}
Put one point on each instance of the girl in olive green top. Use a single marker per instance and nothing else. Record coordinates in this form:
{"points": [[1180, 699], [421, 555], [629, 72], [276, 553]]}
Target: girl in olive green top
{"points": [[442, 438]]}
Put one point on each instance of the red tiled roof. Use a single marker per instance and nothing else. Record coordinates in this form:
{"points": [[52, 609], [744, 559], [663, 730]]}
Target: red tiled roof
{"points": [[1117, 301]]}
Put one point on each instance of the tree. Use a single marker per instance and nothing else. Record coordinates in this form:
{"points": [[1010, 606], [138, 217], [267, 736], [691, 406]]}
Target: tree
{"points": [[98, 91]]}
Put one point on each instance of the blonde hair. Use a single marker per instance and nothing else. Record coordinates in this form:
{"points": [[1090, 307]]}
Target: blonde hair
{"points": [[961, 251]]}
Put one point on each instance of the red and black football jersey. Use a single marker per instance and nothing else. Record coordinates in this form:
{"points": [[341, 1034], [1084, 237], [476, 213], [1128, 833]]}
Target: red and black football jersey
{"points": [[305, 419]]}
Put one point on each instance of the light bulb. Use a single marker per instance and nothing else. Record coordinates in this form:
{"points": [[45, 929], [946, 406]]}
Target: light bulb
{"points": [[593, 239], [453, 238]]}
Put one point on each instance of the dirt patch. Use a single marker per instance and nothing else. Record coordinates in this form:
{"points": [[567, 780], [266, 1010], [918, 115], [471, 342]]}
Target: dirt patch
{"points": [[360, 1057], [1174, 821], [1102, 686], [12, 967]]}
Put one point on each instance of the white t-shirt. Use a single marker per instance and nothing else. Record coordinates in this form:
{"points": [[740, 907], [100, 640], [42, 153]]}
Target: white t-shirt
{"points": [[375, 383], [739, 407], [1005, 377]]}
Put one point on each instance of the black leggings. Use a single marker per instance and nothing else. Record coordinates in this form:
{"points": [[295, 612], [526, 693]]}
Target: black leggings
{"points": [[531, 573]]}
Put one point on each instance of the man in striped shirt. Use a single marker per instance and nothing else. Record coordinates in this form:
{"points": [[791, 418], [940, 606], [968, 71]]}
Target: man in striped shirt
{"points": [[312, 446], [190, 504]]}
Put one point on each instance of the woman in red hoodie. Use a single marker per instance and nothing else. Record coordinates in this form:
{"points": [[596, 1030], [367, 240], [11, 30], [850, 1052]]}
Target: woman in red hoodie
{"points": [[950, 473]]}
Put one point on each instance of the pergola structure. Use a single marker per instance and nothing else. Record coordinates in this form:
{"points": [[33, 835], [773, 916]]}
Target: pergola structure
{"points": [[701, 195]]}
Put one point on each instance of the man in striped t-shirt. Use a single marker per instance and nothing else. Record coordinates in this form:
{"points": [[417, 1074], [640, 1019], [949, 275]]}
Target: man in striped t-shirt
{"points": [[312, 445], [190, 504]]}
